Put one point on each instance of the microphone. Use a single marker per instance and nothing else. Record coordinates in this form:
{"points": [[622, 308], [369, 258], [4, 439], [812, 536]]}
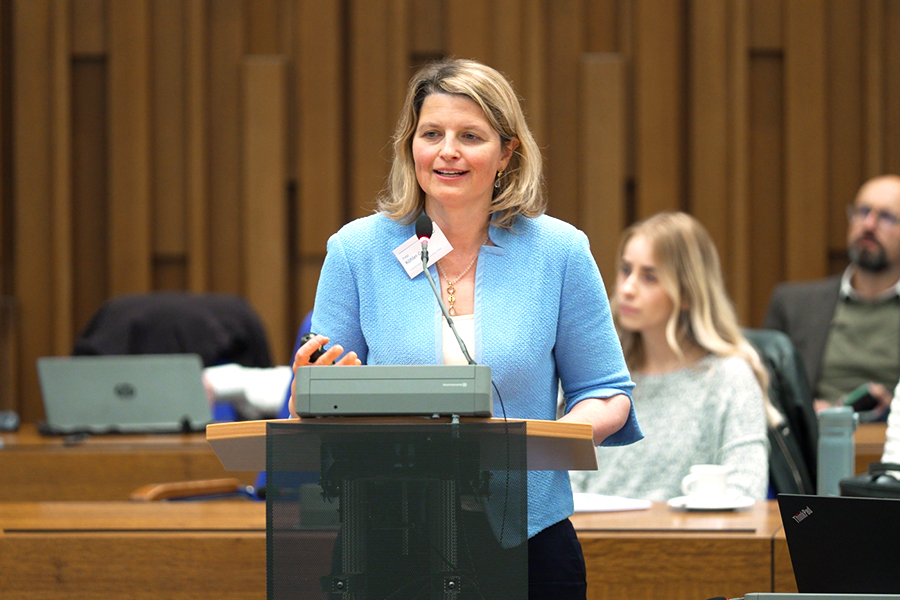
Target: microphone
{"points": [[424, 229]]}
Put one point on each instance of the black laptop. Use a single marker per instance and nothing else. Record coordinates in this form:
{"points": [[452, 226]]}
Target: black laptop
{"points": [[843, 545]]}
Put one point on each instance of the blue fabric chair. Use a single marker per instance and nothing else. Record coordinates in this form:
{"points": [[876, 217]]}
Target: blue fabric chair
{"points": [[206, 490], [285, 412]]}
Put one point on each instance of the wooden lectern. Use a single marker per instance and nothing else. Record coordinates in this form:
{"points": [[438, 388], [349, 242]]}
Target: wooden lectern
{"points": [[552, 445], [360, 508]]}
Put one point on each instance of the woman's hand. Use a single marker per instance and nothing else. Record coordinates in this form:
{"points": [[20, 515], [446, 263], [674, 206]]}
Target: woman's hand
{"points": [[330, 356]]}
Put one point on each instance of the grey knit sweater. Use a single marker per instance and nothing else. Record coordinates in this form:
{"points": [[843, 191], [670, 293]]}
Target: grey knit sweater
{"points": [[709, 413]]}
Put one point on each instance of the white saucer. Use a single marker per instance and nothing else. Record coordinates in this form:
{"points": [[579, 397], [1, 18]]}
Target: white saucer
{"points": [[711, 503]]}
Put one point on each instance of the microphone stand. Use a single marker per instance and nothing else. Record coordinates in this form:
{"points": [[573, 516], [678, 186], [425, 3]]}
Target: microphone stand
{"points": [[437, 294]]}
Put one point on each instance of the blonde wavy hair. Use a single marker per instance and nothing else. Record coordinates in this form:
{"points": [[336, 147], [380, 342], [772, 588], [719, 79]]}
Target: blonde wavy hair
{"points": [[521, 190], [689, 271]]}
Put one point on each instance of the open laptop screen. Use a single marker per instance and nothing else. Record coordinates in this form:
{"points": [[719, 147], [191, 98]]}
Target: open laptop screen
{"points": [[129, 394], [843, 545]]}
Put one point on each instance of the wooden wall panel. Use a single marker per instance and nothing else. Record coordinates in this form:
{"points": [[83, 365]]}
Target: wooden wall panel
{"points": [[658, 106], [264, 203], [61, 216], [602, 119], [196, 145], [129, 147], [90, 190], [371, 114], [226, 47], [845, 119], [5, 150], [9, 358], [400, 67], [737, 257], [709, 119], [168, 133], [262, 19], [626, 48], [321, 168], [603, 26], [565, 42], [873, 103], [9, 329], [806, 130], [508, 41], [766, 187], [6, 177], [469, 29], [533, 83], [127, 163], [766, 25], [426, 35], [32, 69], [892, 88], [88, 28]]}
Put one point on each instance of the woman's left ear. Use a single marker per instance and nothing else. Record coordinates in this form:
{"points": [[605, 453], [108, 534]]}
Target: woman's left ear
{"points": [[508, 149]]}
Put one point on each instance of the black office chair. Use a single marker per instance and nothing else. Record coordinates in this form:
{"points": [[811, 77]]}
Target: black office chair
{"points": [[221, 328], [793, 444]]}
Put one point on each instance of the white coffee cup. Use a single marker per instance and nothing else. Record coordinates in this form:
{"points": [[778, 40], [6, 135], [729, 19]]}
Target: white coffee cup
{"points": [[706, 481]]}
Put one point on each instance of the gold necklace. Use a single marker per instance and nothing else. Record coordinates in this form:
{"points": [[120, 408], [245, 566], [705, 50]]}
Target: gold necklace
{"points": [[452, 290]]}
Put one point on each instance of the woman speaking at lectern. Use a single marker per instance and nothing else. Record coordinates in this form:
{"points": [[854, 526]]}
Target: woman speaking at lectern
{"points": [[523, 288]]}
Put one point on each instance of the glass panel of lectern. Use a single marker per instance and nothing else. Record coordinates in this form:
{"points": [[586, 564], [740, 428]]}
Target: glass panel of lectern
{"points": [[431, 511]]}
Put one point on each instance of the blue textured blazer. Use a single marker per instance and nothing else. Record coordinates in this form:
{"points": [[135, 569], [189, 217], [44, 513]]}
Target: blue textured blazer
{"points": [[541, 317]]}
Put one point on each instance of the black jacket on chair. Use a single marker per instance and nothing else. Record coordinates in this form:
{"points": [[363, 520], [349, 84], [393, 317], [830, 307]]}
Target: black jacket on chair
{"points": [[221, 328], [793, 445]]}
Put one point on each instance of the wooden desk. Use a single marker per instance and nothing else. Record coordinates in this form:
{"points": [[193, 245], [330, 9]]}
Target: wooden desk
{"points": [[47, 468], [662, 553], [181, 550], [135, 550], [42, 468], [869, 441]]}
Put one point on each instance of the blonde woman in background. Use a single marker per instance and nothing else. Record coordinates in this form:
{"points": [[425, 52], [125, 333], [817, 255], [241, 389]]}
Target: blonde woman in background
{"points": [[698, 383]]}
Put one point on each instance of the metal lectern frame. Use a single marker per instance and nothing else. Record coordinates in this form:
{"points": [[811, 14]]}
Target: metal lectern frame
{"points": [[549, 445], [431, 511]]}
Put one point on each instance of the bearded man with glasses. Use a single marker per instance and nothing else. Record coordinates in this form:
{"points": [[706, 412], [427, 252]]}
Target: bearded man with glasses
{"points": [[846, 328]]}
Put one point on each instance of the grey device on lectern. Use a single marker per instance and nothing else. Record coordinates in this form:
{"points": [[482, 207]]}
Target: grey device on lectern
{"points": [[326, 391]]}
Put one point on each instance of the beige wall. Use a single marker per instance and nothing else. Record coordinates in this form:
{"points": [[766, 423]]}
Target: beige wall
{"points": [[215, 144]]}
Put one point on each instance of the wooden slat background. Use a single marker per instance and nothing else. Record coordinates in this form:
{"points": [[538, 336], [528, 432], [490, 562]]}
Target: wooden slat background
{"points": [[214, 145]]}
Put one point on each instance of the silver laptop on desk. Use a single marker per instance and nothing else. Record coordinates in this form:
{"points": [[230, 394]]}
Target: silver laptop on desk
{"points": [[150, 393]]}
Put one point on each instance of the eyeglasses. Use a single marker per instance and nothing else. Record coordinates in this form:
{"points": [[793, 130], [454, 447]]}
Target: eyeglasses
{"points": [[883, 218]]}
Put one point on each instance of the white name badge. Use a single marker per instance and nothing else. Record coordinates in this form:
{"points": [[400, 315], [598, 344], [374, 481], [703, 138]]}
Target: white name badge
{"points": [[409, 253]]}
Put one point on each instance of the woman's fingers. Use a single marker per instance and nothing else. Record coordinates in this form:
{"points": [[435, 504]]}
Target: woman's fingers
{"points": [[349, 359], [328, 357], [304, 352]]}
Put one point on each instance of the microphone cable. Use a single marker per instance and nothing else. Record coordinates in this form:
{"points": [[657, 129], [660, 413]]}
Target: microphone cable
{"points": [[424, 231]]}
